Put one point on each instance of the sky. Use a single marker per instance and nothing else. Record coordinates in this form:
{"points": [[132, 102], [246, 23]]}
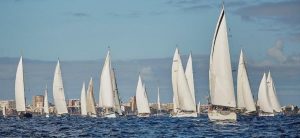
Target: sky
{"points": [[77, 30]]}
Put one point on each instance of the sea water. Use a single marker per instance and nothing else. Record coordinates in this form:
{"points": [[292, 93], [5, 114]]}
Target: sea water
{"points": [[156, 126]]}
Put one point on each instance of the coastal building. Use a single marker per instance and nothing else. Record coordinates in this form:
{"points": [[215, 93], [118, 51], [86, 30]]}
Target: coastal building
{"points": [[37, 103], [9, 104], [73, 106]]}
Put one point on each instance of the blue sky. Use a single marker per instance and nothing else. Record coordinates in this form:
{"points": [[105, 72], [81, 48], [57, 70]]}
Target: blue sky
{"points": [[80, 30]]}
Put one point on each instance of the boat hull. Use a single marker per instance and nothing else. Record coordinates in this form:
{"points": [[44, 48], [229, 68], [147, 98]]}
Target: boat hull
{"points": [[143, 115], [185, 114], [111, 115], [24, 115], [266, 114], [215, 115]]}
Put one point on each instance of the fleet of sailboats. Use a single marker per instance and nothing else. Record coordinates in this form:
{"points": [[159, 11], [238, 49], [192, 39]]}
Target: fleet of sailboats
{"points": [[223, 105]]}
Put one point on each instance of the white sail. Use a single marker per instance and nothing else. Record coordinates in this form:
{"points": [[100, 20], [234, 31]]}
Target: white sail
{"points": [[83, 101], [190, 77], [244, 94], [90, 102], [141, 98], [272, 93], [46, 103], [19, 87], [4, 110], [263, 96], [199, 108], [106, 90], [185, 99], [116, 93], [220, 73], [158, 100], [174, 80], [58, 92]]}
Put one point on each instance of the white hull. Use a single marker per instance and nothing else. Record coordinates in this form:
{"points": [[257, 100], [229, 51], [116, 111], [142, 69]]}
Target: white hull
{"points": [[47, 115], [143, 115], [111, 115], [185, 114], [265, 114], [218, 116], [93, 115]]}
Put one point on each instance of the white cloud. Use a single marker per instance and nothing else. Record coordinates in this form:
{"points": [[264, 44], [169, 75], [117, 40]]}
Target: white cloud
{"points": [[276, 52]]}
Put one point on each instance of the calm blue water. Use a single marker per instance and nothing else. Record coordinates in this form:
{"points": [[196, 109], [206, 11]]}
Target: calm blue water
{"points": [[149, 127]]}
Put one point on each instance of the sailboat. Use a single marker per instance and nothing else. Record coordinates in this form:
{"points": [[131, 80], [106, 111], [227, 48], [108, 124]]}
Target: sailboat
{"points": [[220, 75], [46, 104], [109, 96], [158, 102], [90, 100], [199, 108], [263, 100], [83, 101], [142, 103], [183, 88], [58, 92], [19, 91], [245, 102], [273, 95], [4, 111]]}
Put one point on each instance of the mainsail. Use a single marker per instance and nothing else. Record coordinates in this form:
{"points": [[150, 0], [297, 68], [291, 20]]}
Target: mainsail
{"points": [[90, 102], [106, 96], [182, 96], [272, 93], [263, 100], [142, 98], [185, 99], [158, 100], [190, 77], [174, 80], [244, 95], [58, 91], [19, 87], [220, 73], [116, 93], [46, 103], [83, 101]]}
